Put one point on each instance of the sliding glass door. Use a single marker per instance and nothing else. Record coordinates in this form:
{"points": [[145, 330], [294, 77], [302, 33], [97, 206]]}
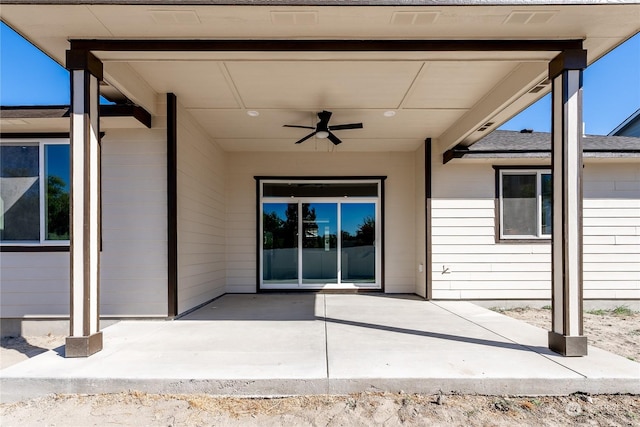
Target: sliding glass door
{"points": [[319, 243], [315, 240], [358, 252], [280, 243]]}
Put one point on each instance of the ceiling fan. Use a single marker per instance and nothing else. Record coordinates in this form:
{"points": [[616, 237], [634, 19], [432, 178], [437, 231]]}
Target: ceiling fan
{"points": [[323, 130]]}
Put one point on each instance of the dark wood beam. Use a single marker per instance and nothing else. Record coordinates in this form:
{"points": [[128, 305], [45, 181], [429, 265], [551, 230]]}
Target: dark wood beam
{"points": [[127, 110], [324, 45], [64, 111]]}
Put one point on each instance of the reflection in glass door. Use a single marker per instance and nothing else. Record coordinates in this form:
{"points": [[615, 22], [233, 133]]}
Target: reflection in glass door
{"points": [[320, 243], [358, 251], [280, 243]]}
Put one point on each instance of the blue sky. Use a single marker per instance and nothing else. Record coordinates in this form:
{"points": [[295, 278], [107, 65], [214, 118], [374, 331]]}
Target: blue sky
{"points": [[611, 85], [27, 76], [611, 94]]}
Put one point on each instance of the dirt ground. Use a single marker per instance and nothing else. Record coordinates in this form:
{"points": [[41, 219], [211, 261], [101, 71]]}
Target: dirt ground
{"points": [[617, 331], [142, 409]]}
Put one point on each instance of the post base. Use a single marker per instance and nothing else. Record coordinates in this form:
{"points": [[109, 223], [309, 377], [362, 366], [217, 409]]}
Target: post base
{"points": [[83, 346], [566, 345]]}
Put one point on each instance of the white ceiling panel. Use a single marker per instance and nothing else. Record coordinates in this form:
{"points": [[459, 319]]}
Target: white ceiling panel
{"points": [[330, 84], [199, 84], [226, 124], [454, 85], [410, 124], [314, 144]]}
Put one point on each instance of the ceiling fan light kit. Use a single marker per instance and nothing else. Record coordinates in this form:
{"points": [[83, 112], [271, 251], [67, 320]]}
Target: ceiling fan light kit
{"points": [[323, 130]]}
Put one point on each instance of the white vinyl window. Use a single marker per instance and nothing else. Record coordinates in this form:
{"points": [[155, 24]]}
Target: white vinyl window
{"points": [[34, 192], [525, 204]]}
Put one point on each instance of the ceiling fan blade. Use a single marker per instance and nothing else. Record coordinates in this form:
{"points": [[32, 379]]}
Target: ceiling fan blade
{"points": [[334, 139], [348, 126], [305, 138], [297, 126]]}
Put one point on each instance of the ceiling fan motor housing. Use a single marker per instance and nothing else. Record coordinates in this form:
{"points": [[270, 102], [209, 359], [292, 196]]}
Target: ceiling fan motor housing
{"points": [[323, 130]]}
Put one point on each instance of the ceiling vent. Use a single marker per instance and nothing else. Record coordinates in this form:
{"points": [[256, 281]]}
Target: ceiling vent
{"points": [[485, 126], [540, 86], [175, 17], [414, 18], [294, 18], [530, 18]]}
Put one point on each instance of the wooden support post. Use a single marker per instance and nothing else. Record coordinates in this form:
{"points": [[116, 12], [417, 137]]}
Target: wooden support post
{"points": [[85, 338], [565, 72]]}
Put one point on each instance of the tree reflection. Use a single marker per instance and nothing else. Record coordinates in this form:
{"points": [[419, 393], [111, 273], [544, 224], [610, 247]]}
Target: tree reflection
{"points": [[365, 234], [57, 209]]}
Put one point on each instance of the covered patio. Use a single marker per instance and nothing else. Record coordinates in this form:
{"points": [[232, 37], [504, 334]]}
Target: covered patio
{"points": [[287, 344], [223, 86]]}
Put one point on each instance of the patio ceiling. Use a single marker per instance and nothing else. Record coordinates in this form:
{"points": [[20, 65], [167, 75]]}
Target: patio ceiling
{"points": [[445, 95]]}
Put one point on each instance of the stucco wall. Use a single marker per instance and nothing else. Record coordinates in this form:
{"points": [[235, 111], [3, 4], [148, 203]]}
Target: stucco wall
{"points": [[399, 206]]}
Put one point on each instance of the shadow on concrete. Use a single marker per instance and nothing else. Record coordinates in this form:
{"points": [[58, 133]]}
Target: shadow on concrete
{"points": [[59, 350], [437, 335], [307, 307], [272, 306], [260, 307], [22, 345]]}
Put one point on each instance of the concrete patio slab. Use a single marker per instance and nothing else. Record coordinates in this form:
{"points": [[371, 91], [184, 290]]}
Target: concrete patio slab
{"points": [[283, 344]]}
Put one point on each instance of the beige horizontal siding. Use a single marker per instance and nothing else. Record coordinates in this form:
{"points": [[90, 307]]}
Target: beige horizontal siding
{"points": [[34, 284], [134, 220], [612, 231], [201, 215], [518, 294], [133, 266], [468, 263]]}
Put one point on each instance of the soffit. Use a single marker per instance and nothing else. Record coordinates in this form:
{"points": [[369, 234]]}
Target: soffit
{"points": [[429, 91], [61, 124]]}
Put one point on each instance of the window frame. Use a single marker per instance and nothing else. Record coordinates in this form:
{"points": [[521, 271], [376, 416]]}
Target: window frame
{"points": [[538, 171], [43, 243]]}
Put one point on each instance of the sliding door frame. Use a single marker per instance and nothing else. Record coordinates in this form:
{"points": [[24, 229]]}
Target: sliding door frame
{"points": [[378, 200]]}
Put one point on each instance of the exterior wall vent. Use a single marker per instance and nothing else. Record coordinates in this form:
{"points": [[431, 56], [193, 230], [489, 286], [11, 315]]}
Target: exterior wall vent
{"points": [[175, 17], [294, 18], [540, 86], [414, 18], [486, 126], [530, 18]]}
